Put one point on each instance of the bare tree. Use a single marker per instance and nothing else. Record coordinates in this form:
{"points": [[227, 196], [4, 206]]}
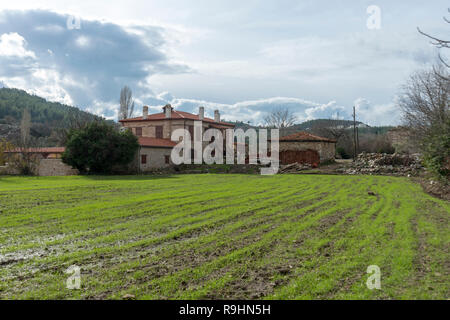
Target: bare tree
{"points": [[5, 146], [280, 118], [25, 126], [425, 101], [25, 161], [439, 43], [126, 107], [425, 105]]}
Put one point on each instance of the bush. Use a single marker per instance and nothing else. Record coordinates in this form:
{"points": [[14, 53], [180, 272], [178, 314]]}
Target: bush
{"points": [[99, 147], [436, 151], [342, 153]]}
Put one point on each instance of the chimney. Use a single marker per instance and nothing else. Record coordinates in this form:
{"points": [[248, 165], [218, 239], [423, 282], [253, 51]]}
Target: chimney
{"points": [[216, 116], [167, 110], [145, 112], [201, 113]]}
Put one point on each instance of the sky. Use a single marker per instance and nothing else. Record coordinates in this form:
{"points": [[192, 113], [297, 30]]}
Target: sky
{"points": [[317, 58]]}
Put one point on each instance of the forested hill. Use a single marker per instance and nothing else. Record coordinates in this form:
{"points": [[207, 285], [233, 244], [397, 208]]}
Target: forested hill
{"points": [[14, 101], [46, 117]]}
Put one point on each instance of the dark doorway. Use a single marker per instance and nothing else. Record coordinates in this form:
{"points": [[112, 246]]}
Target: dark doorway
{"points": [[304, 156]]}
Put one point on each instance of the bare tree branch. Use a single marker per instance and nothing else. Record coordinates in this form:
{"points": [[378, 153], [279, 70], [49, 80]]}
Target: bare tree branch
{"points": [[435, 41], [280, 118], [439, 43]]}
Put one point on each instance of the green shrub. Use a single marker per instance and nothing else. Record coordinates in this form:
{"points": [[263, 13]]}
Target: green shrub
{"points": [[437, 151], [342, 153], [99, 147]]}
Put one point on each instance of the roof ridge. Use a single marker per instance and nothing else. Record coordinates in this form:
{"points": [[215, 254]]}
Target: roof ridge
{"points": [[178, 113]]}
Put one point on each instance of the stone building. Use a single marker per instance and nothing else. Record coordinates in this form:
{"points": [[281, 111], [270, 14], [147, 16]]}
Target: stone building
{"points": [[38, 153], [154, 133], [400, 138], [48, 161], [303, 147]]}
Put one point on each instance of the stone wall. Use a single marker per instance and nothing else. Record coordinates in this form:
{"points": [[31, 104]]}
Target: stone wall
{"points": [[8, 170], [55, 167], [156, 158], [326, 150]]}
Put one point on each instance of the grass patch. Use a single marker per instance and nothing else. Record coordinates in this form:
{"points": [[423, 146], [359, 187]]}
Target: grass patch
{"points": [[215, 236]]}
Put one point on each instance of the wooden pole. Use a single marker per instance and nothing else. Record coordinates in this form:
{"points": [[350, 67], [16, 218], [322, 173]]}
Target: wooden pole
{"points": [[354, 133], [357, 140]]}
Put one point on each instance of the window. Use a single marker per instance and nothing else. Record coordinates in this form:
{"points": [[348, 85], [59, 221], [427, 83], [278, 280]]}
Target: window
{"points": [[191, 131], [139, 132], [159, 132], [143, 158], [167, 159]]}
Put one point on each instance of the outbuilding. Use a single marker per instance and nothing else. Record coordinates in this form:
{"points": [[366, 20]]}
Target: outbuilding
{"points": [[303, 147]]}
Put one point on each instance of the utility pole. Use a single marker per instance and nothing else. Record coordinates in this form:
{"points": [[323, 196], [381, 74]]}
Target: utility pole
{"points": [[354, 133], [357, 139]]}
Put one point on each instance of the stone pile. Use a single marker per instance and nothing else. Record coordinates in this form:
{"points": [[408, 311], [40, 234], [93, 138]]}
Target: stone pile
{"points": [[386, 164], [294, 167]]}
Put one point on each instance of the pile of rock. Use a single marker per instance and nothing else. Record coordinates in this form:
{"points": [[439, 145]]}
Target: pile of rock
{"points": [[294, 167], [386, 164]]}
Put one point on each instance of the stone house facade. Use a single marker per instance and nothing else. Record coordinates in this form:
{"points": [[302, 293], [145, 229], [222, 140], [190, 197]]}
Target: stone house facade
{"points": [[303, 147], [154, 133]]}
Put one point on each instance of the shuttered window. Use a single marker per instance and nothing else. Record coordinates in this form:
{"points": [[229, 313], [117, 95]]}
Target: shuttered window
{"points": [[143, 158], [139, 132], [159, 132]]}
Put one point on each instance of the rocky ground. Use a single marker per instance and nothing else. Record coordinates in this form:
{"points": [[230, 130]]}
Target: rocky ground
{"points": [[366, 163], [385, 164]]}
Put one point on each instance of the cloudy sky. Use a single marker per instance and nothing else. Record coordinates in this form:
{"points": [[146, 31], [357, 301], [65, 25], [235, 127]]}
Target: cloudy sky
{"points": [[317, 57]]}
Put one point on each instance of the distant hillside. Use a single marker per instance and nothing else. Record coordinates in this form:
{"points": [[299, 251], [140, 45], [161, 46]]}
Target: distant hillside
{"points": [[46, 116], [323, 123], [14, 101], [241, 125]]}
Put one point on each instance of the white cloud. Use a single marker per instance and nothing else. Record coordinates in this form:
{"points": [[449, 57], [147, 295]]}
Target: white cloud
{"points": [[83, 41], [252, 110], [255, 110], [107, 110], [13, 45], [379, 114], [243, 54]]}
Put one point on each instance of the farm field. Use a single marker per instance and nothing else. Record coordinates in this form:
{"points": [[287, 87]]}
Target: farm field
{"points": [[218, 236]]}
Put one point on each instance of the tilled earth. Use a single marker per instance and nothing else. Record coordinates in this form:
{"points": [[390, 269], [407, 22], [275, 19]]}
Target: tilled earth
{"points": [[222, 236]]}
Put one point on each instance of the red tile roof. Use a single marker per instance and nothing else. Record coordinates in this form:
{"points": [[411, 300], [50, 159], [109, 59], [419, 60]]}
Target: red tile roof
{"points": [[156, 142], [175, 115], [305, 137], [38, 150], [220, 126]]}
